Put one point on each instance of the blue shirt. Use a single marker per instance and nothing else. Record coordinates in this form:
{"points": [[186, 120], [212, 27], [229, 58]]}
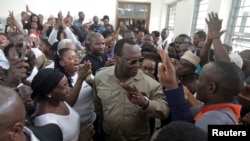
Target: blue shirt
{"points": [[77, 23]]}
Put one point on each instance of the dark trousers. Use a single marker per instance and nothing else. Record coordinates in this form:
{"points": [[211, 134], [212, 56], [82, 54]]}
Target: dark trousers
{"points": [[99, 133]]}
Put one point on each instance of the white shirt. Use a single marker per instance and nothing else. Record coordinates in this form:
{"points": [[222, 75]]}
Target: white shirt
{"points": [[84, 104], [69, 124], [4, 63]]}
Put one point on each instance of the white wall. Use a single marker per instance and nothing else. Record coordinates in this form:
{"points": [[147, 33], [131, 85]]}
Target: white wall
{"points": [[183, 21], [89, 7], [48, 7], [184, 14]]}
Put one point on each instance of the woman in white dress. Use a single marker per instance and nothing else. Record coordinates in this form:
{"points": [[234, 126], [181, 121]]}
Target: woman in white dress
{"points": [[81, 98], [51, 89]]}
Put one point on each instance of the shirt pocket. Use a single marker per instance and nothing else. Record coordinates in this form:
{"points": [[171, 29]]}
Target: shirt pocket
{"points": [[105, 96]]}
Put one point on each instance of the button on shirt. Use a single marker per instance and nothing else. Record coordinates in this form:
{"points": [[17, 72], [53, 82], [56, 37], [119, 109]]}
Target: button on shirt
{"points": [[123, 120]]}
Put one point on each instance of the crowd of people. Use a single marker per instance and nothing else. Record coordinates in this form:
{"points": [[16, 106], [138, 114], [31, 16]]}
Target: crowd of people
{"points": [[74, 80]]}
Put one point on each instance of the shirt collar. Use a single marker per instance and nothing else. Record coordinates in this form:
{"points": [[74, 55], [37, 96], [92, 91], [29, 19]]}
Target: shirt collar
{"points": [[138, 76]]}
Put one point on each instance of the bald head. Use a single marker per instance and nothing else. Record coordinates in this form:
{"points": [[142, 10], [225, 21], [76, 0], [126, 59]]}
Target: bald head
{"points": [[226, 74], [92, 36], [11, 107]]}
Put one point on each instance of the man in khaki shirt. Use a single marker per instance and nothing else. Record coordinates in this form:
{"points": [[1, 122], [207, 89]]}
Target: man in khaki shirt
{"points": [[125, 97]]}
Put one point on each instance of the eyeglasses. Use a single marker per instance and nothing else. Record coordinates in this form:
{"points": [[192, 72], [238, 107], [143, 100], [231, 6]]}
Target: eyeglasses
{"points": [[134, 61]]}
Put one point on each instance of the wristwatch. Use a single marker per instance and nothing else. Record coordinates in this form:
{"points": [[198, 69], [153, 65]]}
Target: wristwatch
{"points": [[145, 107]]}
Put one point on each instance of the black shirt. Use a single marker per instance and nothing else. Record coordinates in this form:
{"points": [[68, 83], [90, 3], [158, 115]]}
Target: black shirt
{"points": [[97, 63]]}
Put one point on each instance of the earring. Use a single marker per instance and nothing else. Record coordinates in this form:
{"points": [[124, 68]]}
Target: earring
{"points": [[49, 96]]}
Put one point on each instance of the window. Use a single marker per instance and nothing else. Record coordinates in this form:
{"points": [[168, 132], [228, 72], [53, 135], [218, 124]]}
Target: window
{"points": [[133, 14], [171, 11], [200, 13], [238, 33]]}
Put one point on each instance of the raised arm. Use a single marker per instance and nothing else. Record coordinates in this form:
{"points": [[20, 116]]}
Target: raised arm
{"points": [[15, 23], [83, 73], [214, 27], [174, 92]]}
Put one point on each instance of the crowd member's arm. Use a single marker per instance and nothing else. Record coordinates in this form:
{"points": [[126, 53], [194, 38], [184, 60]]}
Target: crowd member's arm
{"points": [[16, 72], [83, 72], [53, 35], [174, 92], [28, 10], [214, 27], [190, 97], [204, 52], [68, 32], [15, 23]]}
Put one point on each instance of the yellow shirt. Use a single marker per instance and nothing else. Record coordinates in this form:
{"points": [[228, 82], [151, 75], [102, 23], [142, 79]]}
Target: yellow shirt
{"points": [[123, 120]]}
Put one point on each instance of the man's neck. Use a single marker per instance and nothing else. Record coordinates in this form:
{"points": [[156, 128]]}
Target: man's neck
{"points": [[94, 55], [120, 75]]}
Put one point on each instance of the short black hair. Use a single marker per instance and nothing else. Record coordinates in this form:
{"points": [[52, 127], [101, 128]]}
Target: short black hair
{"points": [[181, 131], [145, 31], [185, 36], [228, 76], [105, 17], [107, 33], [120, 44], [202, 34], [148, 48], [157, 33]]}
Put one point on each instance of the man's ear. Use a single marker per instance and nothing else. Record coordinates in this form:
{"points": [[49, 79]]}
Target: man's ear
{"points": [[212, 88], [16, 131], [117, 59]]}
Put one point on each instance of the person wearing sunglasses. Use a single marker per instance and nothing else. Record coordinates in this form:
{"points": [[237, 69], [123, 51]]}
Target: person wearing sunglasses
{"points": [[125, 97]]}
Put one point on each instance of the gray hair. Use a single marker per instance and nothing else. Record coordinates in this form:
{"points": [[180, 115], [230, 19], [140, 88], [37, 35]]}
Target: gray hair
{"points": [[64, 43]]}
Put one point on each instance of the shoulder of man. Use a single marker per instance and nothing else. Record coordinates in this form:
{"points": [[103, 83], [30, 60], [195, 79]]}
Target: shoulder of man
{"points": [[102, 71]]}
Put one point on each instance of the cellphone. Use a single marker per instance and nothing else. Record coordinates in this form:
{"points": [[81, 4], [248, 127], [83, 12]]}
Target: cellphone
{"points": [[24, 48]]}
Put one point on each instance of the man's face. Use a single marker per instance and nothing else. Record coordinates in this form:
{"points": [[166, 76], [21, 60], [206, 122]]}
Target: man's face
{"points": [[180, 40], [98, 45], [106, 22], [129, 62], [81, 16], [148, 40], [182, 49], [196, 40], [95, 19], [140, 37], [164, 33]]}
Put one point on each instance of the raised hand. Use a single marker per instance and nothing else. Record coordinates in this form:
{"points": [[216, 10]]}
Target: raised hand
{"points": [[17, 71], [27, 9], [85, 71], [214, 25], [166, 71], [134, 95]]}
